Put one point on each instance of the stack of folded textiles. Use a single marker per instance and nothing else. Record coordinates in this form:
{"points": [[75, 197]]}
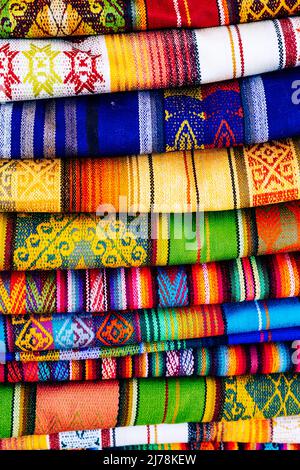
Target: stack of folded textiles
{"points": [[150, 224]]}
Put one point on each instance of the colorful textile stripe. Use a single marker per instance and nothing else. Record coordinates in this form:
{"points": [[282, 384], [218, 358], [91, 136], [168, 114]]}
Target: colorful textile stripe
{"points": [[231, 113], [79, 241], [89, 441], [31, 69], [251, 176], [48, 408], [263, 336], [44, 18], [212, 446], [249, 432], [29, 333], [267, 358], [101, 290], [220, 115]]}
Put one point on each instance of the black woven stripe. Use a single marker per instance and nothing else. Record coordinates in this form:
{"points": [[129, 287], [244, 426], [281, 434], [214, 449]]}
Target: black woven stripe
{"points": [[232, 178], [92, 118], [30, 409]]}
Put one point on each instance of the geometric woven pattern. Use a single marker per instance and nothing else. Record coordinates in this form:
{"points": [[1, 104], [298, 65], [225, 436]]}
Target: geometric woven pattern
{"points": [[39, 18], [219, 361], [223, 114], [101, 290], [205, 435], [32, 69], [48, 408], [28, 333], [255, 175], [80, 241]]}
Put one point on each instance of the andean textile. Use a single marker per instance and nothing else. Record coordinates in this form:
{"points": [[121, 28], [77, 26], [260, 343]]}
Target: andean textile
{"points": [[42, 18], [212, 446], [79, 241], [210, 180], [266, 358], [245, 111], [29, 333], [101, 290], [277, 431], [34, 69], [49, 408], [259, 336]]}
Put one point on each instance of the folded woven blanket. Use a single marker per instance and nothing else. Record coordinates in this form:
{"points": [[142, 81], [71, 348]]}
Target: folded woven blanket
{"points": [[266, 358], [42, 18], [246, 111], [276, 430], [31, 69], [100, 290], [77, 241], [259, 336], [47, 408], [213, 180], [66, 331]]}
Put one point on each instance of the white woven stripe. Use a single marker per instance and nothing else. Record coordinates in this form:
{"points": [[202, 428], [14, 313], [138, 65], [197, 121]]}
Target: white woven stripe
{"points": [[49, 130], [286, 430], [241, 280], [6, 131], [81, 440], [221, 12], [71, 120], [27, 128], [177, 11], [259, 316], [253, 262], [292, 277], [16, 410], [145, 122], [134, 408], [257, 113]]}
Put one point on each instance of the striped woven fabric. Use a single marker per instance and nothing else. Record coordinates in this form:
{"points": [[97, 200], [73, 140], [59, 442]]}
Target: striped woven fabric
{"points": [[101, 290], [69, 331], [212, 446], [250, 431], [263, 336], [79, 241], [220, 115], [32, 69], [48, 408], [266, 358], [42, 18], [40, 443], [213, 180]]}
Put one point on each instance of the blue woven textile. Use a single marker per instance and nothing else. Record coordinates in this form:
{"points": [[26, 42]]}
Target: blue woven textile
{"points": [[134, 327], [245, 111]]}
